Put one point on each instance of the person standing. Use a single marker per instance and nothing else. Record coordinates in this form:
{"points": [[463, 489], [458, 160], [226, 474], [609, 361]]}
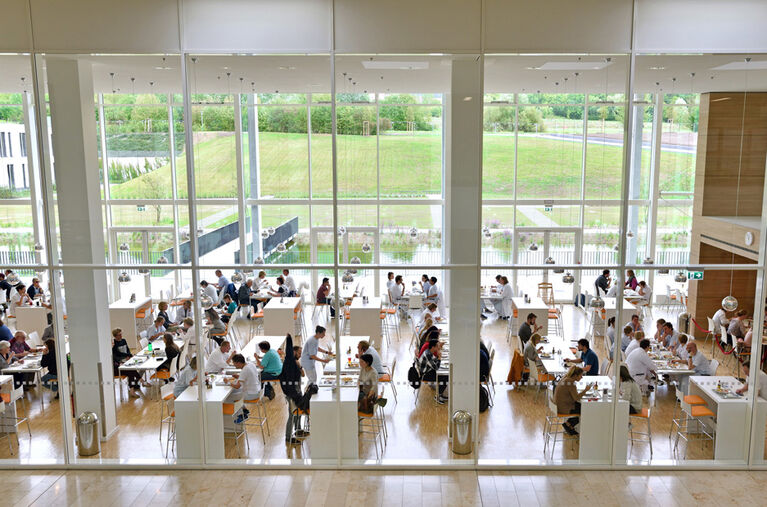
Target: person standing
{"points": [[721, 324], [309, 354]]}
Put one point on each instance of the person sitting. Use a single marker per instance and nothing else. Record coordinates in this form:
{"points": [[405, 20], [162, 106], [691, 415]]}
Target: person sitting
{"points": [[8, 358], [602, 283], [157, 330], [588, 357], [220, 358], [368, 386], [670, 338], [323, 296], [261, 282], [5, 332], [120, 354], [162, 311], [271, 366], [244, 293], [610, 332], [429, 366], [427, 328], [5, 286], [171, 351], [484, 363], [188, 334], [430, 335], [645, 293], [638, 337], [185, 312], [530, 355], [217, 330], [761, 382], [659, 330], [681, 350], [721, 324], [697, 361], [631, 280], [745, 343], [290, 284], [635, 324], [222, 284], [35, 291], [282, 290], [246, 384], [389, 280], [738, 328], [50, 379], [185, 378], [396, 291], [229, 308], [640, 366], [364, 347], [425, 284], [568, 398], [626, 338], [210, 291], [19, 298], [19, 345], [630, 391], [430, 312], [528, 327]]}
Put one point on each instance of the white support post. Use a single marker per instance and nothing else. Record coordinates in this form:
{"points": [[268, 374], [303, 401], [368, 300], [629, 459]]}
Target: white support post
{"points": [[463, 175], [70, 84], [241, 212], [657, 138]]}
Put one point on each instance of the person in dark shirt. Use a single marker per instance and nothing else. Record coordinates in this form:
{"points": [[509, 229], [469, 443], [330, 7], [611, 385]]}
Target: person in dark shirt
{"points": [[528, 327], [243, 294], [603, 283], [120, 354], [162, 311], [588, 357], [50, 379], [4, 285], [323, 294], [484, 363], [5, 332], [171, 351]]}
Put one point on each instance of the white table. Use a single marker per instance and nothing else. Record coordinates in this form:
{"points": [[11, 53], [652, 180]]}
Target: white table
{"points": [[596, 422], [554, 364], [275, 343], [122, 314], [536, 306], [366, 319], [188, 428], [325, 420], [278, 316], [32, 319], [144, 361], [346, 343], [731, 442]]}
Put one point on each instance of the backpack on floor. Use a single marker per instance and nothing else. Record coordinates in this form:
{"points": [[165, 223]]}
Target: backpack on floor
{"points": [[484, 399], [413, 377]]}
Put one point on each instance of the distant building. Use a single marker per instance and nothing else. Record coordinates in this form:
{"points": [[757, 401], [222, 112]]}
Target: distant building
{"points": [[13, 156]]}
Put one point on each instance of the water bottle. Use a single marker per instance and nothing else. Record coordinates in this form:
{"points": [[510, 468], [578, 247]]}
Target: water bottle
{"points": [[150, 348]]}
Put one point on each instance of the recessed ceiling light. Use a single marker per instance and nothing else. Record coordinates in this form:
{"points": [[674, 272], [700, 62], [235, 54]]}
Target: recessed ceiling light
{"points": [[284, 67], [395, 65], [574, 65], [656, 68]]}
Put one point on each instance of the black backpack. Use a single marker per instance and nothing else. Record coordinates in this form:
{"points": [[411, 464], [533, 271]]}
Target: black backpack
{"points": [[484, 399], [413, 377], [306, 398]]}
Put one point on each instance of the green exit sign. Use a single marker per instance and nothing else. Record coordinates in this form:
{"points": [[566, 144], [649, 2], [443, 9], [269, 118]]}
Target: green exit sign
{"points": [[547, 208], [695, 275], [140, 207]]}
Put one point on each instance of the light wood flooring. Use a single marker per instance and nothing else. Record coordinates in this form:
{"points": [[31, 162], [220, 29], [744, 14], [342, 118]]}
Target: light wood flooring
{"points": [[372, 488], [510, 430]]}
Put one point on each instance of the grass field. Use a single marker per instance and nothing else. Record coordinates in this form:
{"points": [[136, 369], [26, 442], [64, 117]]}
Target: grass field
{"points": [[410, 166]]}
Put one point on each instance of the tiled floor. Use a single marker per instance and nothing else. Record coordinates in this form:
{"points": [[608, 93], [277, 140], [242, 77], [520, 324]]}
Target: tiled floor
{"points": [[370, 488]]}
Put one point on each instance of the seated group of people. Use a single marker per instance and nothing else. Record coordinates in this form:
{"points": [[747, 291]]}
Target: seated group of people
{"points": [[605, 287], [432, 293], [501, 304]]}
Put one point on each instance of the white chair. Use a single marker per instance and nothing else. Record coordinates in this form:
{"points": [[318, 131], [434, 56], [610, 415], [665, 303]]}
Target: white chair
{"points": [[552, 426], [167, 414], [33, 338], [12, 398], [712, 367]]}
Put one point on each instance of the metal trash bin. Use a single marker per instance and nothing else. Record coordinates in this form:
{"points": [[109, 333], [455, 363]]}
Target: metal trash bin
{"points": [[462, 432], [88, 442], [683, 323]]}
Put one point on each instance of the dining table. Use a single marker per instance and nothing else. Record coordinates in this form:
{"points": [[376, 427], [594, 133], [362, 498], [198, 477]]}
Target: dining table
{"points": [[536, 306]]}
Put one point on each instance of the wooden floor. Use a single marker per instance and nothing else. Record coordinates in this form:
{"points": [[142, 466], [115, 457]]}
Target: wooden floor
{"points": [[511, 430], [372, 489]]}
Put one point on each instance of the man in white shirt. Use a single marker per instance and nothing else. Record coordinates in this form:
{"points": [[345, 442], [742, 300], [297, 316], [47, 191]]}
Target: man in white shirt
{"points": [[220, 358], [210, 291], [435, 295], [247, 383], [721, 323], [431, 312], [19, 298], [645, 293], [641, 367], [638, 337], [157, 330], [697, 361], [389, 280], [309, 354], [681, 350], [185, 378], [670, 337], [396, 290], [290, 283]]}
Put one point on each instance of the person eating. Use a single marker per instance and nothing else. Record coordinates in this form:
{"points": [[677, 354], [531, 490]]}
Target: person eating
{"points": [[568, 398], [588, 358]]}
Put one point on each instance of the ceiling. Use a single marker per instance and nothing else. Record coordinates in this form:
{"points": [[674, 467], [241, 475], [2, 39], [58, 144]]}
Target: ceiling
{"points": [[407, 73]]}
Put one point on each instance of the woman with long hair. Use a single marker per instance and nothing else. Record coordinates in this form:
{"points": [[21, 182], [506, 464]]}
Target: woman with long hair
{"points": [[568, 398]]}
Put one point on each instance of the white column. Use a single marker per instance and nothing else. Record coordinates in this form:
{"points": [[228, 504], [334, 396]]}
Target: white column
{"points": [[70, 85], [463, 178], [255, 183]]}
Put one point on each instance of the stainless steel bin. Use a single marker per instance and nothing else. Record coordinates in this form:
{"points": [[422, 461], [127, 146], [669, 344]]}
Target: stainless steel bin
{"points": [[462, 432], [88, 442]]}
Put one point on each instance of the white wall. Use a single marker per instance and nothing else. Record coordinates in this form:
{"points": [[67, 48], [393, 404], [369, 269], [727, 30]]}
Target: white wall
{"points": [[264, 25]]}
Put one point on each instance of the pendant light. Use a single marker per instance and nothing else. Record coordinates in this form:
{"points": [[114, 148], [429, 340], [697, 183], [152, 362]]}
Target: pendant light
{"points": [[533, 247], [206, 302], [281, 248], [413, 232], [123, 278], [663, 271], [124, 247], [236, 277], [341, 230], [264, 234], [270, 231], [366, 248], [568, 278], [38, 247], [162, 260], [13, 278], [680, 278]]}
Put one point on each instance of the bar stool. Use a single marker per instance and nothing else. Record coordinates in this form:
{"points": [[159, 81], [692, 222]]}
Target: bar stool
{"points": [[552, 426], [644, 415], [166, 407], [258, 415], [689, 399], [374, 428], [388, 378], [241, 429], [11, 398], [696, 415]]}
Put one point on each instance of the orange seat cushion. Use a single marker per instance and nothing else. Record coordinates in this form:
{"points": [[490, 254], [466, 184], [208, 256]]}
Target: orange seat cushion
{"points": [[645, 413], [545, 377], [701, 411], [692, 399], [258, 315], [169, 397], [363, 414], [6, 397], [228, 408], [161, 374], [384, 378]]}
